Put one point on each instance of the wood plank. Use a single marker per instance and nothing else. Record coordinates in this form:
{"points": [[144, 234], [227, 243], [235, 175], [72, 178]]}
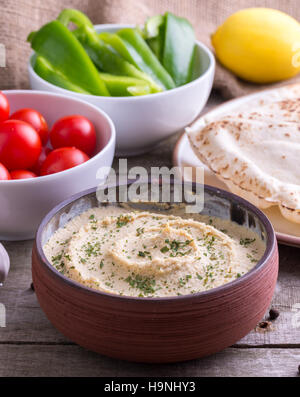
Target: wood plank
{"points": [[20, 360], [286, 329]]}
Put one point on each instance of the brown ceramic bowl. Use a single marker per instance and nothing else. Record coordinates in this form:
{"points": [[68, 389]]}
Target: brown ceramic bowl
{"points": [[157, 330]]}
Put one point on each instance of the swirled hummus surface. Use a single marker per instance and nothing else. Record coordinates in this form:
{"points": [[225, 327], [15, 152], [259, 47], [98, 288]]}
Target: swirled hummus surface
{"points": [[147, 254]]}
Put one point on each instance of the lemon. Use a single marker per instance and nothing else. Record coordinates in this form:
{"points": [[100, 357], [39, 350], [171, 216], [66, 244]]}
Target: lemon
{"points": [[260, 45]]}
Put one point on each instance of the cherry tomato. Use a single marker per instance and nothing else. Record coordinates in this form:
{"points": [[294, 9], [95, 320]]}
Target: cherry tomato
{"points": [[35, 119], [20, 145], [4, 174], [37, 166], [62, 159], [75, 131], [22, 174], [4, 107]]}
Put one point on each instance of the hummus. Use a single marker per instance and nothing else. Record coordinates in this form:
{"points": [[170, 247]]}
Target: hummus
{"points": [[145, 254]]}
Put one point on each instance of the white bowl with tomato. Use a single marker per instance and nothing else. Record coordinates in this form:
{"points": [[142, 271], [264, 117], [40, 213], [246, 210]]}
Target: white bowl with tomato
{"points": [[51, 147]]}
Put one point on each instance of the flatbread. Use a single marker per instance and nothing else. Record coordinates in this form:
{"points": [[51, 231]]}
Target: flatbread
{"points": [[255, 150]]}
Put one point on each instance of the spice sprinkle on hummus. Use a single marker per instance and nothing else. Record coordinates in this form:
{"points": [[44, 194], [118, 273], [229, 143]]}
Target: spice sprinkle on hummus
{"points": [[146, 254]]}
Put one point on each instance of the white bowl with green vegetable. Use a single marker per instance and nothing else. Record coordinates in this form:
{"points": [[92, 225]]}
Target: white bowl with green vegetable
{"points": [[151, 82]]}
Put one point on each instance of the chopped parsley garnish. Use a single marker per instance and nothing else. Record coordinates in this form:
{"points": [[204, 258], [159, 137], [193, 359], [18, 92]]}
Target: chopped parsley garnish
{"points": [[176, 247], [198, 276], [58, 263], [56, 259], [183, 281], [144, 254], [247, 241], [93, 221], [210, 243], [122, 220], [92, 249], [164, 249], [252, 259], [144, 284], [139, 231]]}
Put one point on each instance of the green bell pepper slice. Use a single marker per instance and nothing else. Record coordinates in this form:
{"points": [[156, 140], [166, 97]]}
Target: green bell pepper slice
{"points": [[154, 33], [106, 59], [62, 50], [44, 69], [104, 56], [125, 86], [72, 15], [172, 39], [179, 46], [130, 44]]}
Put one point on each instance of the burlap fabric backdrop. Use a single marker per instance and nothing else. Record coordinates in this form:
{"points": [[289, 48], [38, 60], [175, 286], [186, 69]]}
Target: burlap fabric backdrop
{"points": [[19, 17]]}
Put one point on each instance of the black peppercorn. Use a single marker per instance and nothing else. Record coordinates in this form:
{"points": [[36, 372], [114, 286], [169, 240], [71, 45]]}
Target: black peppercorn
{"points": [[273, 314], [263, 324]]}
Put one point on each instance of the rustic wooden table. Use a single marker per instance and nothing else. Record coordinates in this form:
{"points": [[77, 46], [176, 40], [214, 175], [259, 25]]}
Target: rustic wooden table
{"points": [[31, 346]]}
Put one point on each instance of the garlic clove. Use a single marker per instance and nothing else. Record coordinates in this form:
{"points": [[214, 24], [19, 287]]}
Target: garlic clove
{"points": [[4, 264]]}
